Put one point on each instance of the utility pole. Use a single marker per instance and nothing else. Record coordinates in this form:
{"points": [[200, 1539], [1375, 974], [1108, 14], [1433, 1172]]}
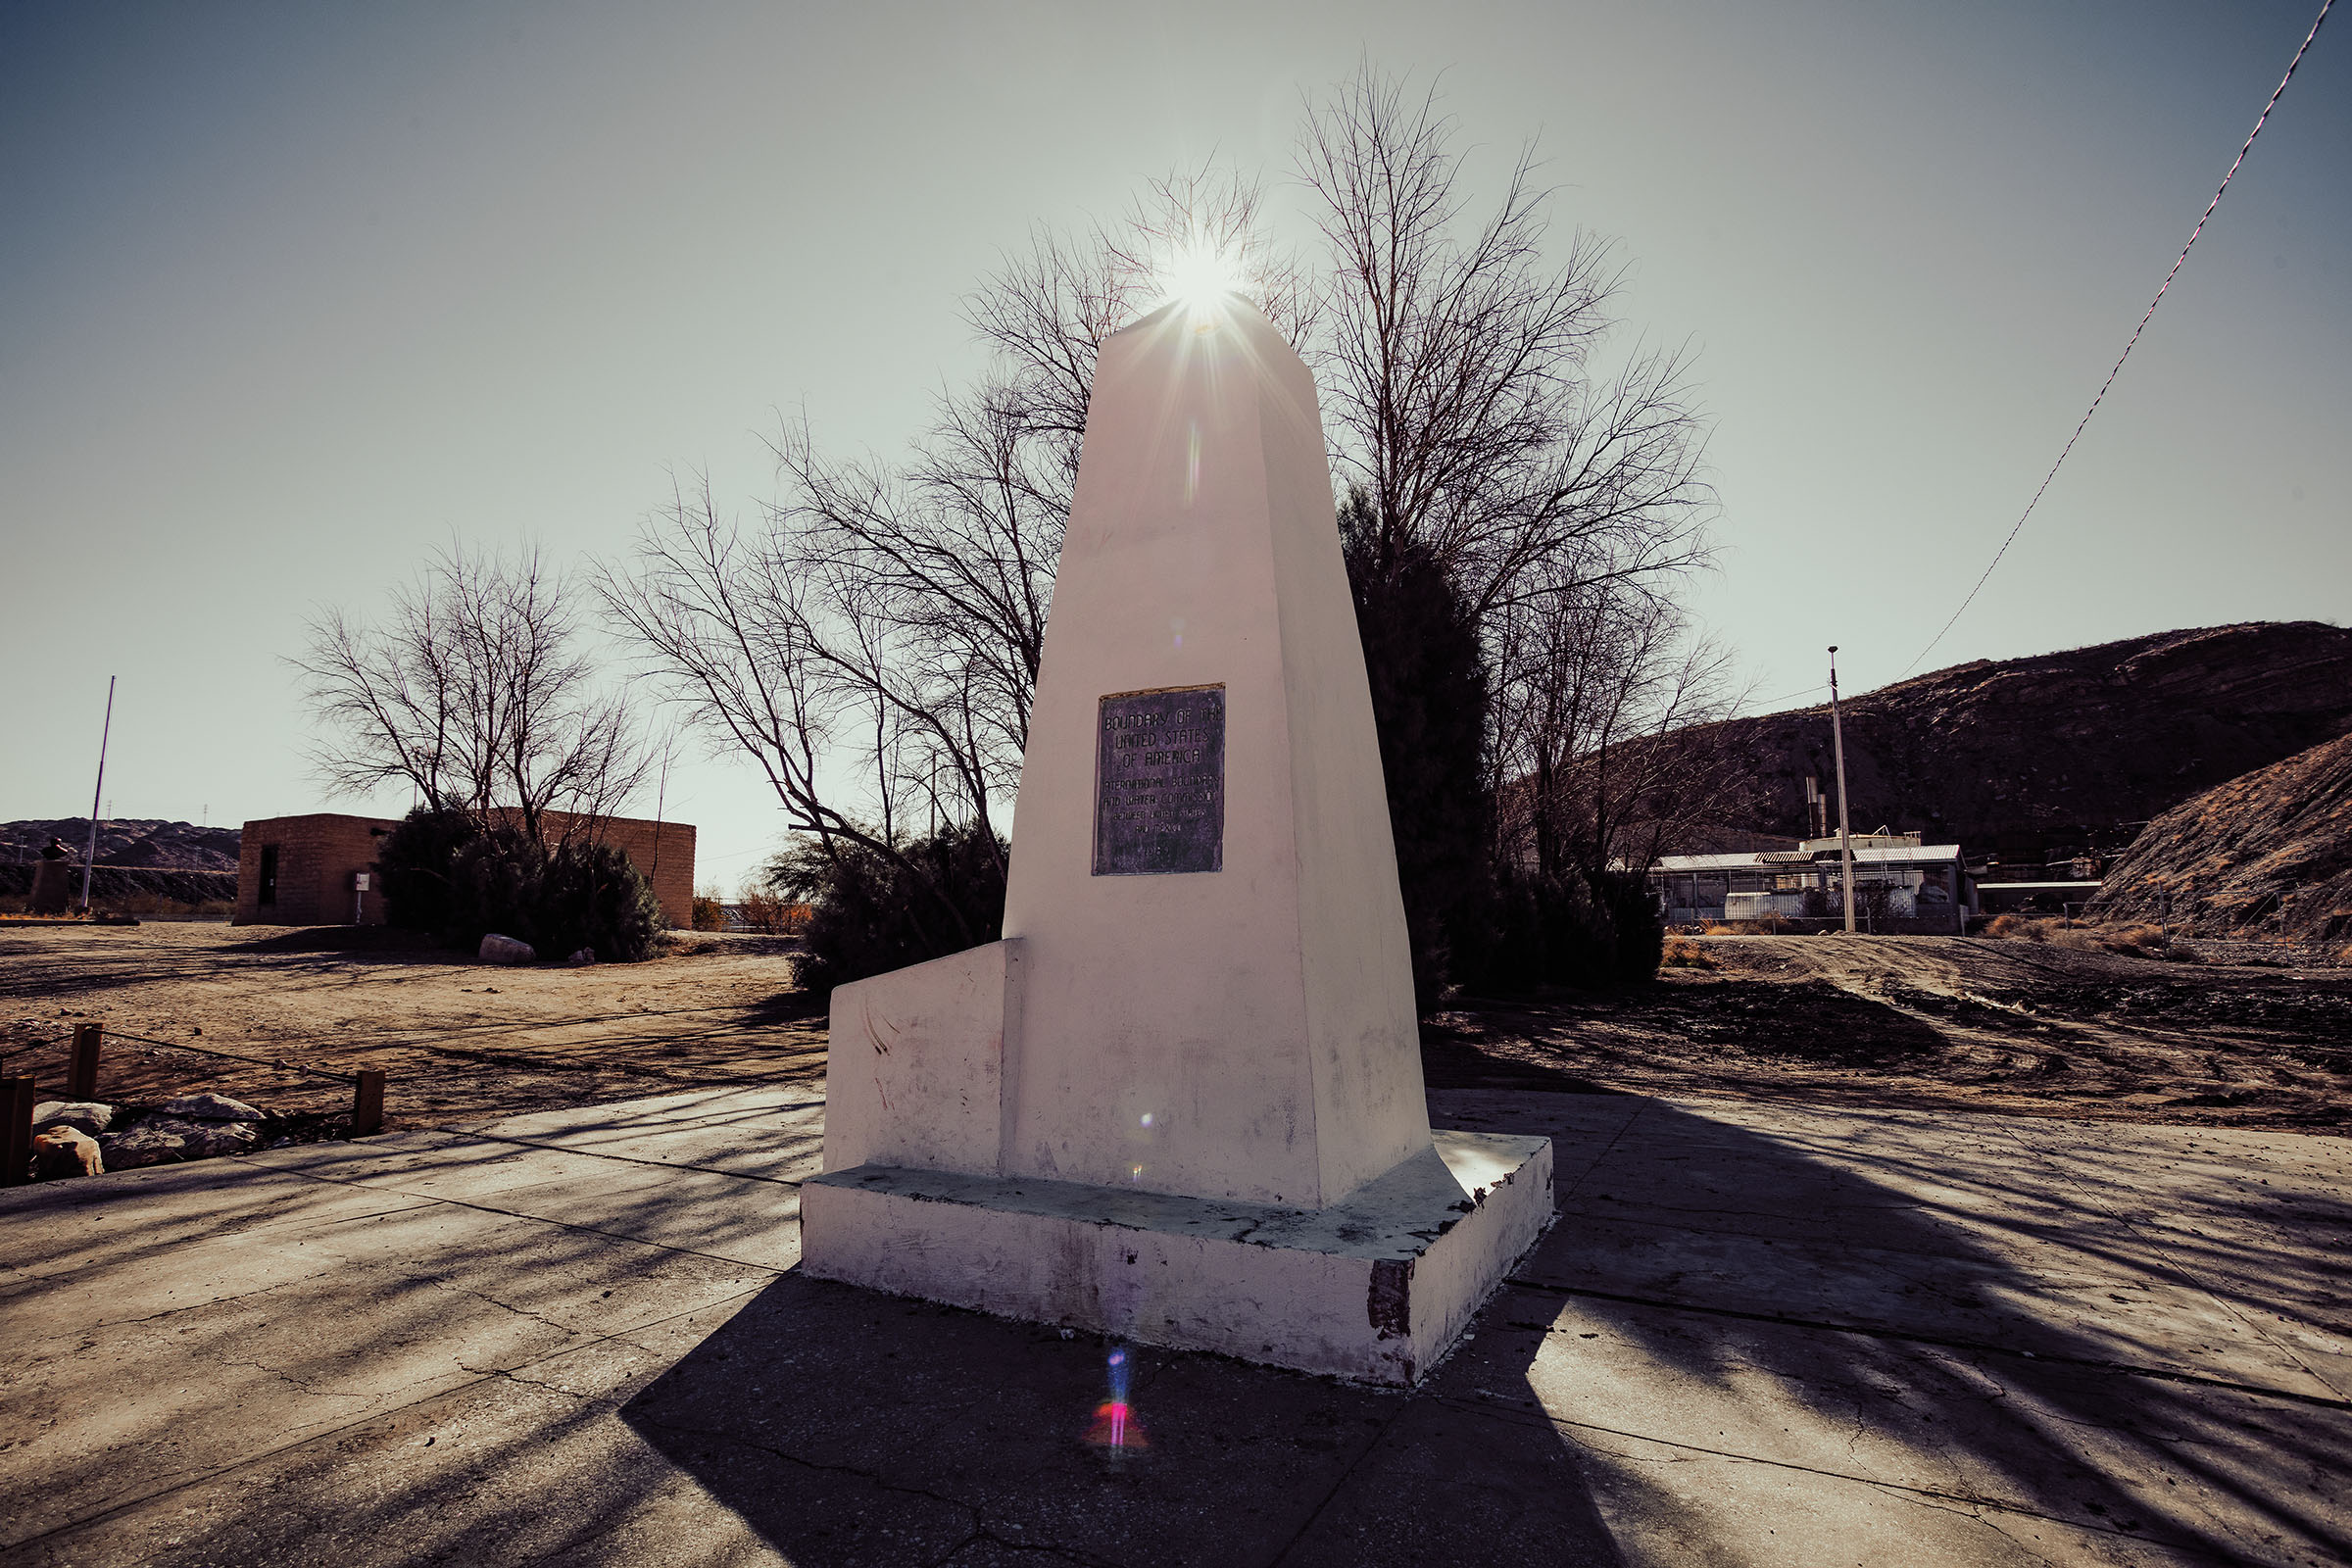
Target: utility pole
{"points": [[96, 790], [1846, 835]]}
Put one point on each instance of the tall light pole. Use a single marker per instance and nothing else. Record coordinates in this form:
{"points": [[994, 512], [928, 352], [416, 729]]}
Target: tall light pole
{"points": [[96, 790], [1846, 835]]}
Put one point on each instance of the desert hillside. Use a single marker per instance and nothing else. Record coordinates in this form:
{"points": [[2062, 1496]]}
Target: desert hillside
{"points": [[138, 842], [2074, 746], [2267, 854]]}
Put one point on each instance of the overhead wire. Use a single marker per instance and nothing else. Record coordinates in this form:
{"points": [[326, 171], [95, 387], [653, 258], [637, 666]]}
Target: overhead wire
{"points": [[2259, 122]]}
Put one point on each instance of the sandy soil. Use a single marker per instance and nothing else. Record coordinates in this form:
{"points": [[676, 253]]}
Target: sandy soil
{"points": [[1911, 1021], [1962, 1024], [455, 1039]]}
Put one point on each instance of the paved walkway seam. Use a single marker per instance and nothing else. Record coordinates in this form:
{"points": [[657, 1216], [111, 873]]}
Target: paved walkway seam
{"points": [[1906, 1337]]}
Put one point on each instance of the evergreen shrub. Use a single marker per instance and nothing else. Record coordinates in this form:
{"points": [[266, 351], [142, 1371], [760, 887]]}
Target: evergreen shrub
{"points": [[868, 914]]}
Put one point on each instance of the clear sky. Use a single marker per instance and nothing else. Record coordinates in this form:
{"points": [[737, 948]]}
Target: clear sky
{"points": [[291, 294]]}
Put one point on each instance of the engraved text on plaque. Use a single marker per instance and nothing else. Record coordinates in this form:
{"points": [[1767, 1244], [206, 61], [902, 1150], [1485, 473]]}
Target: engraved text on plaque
{"points": [[1159, 782]]}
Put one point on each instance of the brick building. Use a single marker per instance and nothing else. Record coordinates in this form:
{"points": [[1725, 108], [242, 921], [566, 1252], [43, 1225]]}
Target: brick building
{"points": [[306, 870]]}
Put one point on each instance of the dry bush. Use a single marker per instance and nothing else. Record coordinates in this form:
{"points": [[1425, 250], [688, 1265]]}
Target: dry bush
{"points": [[709, 914], [766, 912], [2019, 927], [2138, 940], [1681, 953]]}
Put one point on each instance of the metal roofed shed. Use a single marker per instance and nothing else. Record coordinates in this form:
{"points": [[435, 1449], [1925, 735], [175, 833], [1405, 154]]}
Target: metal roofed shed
{"points": [[1901, 886]]}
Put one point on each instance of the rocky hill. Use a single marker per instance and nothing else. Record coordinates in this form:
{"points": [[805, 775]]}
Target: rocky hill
{"points": [[2268, 853], [2071, 748], [135, 841]]}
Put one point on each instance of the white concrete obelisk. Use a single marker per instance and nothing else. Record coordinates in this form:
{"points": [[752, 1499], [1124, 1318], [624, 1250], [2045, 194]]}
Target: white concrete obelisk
{"points": [[1261, 1015], [1182, 1098]]}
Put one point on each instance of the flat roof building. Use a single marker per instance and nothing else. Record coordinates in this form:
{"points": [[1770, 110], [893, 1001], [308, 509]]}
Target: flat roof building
{"points": [[1900, 886], [319, 868]]}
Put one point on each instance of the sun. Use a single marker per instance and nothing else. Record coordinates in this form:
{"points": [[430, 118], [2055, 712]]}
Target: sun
{"points": [[1201, 275]]}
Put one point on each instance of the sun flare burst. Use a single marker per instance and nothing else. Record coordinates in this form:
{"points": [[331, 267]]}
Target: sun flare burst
{"points": [[1200, 274]]}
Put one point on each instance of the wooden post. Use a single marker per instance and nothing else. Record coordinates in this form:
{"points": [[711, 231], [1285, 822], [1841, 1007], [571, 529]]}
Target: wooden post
{"points": [[82, 1080], [367, 1105], [15, 1131]]}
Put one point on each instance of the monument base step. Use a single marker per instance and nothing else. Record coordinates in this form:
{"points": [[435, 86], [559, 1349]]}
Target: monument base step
{"points": [[1375, 1289]]}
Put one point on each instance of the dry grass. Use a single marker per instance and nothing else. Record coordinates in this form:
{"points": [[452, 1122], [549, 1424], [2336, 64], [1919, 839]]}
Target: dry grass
{"points": [[1683, 953], [2139, 940], [766, 912]]}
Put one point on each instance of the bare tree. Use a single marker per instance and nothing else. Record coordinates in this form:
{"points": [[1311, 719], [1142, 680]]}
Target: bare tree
{"points": [[1607, 743], [874, 642], [817, 644], [472, 689], [1455, 358]]}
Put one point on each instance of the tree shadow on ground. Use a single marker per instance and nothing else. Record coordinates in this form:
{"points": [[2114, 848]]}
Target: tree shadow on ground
{"points": [[1927, 1319], [1917, 1339], [1899, 1341], [410, 945], [786, 1007]]}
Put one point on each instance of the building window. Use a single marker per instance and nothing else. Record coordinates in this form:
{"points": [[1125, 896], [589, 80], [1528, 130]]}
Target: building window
{"points": [[269, 887]]}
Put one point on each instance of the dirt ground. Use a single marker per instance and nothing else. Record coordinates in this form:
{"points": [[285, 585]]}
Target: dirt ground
{"points": [[1962, 1024], [455, 1039], [1969, 1024]]}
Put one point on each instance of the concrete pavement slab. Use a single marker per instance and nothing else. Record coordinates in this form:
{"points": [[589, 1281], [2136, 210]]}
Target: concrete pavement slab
{"points": [[575, 1337]]}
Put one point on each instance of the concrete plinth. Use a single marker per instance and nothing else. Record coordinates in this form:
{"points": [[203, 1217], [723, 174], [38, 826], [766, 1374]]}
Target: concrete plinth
{"points": [[1375, 1287]]}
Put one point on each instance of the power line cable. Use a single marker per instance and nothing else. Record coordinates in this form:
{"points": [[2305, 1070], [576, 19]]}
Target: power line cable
{"points": [[2263, 120], [1765, 702]]}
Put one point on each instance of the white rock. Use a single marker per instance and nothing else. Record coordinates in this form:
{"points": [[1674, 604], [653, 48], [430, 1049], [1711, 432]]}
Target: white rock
{"points": [[208, 1107], [506, 949], [85, 1115], [162, 1140]]}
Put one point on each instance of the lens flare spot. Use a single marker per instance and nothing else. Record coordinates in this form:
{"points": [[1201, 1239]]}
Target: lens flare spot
{"points": [[1114, 1425], [1146, 1119]]}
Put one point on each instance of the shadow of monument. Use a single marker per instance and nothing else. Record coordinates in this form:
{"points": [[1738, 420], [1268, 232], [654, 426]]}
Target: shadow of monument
{"points": [[848, 1428], [1938, 1328]]}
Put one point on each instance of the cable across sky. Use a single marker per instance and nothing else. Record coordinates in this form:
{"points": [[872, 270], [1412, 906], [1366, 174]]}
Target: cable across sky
{"points": [[2259, 122]]}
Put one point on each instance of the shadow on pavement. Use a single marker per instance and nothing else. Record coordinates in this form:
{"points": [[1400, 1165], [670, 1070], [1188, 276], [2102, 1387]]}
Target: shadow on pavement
{"points": [[1956, 1328], [848, 1428], [1881, 1339], [1913, 1340]]}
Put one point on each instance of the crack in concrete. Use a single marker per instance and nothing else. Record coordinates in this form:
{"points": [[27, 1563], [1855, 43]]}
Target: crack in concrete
{"points": [[2164, 1257], [633, 1159], [199, 1478], [1911, 1493], [1908, 1337], [542, 1219]]}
